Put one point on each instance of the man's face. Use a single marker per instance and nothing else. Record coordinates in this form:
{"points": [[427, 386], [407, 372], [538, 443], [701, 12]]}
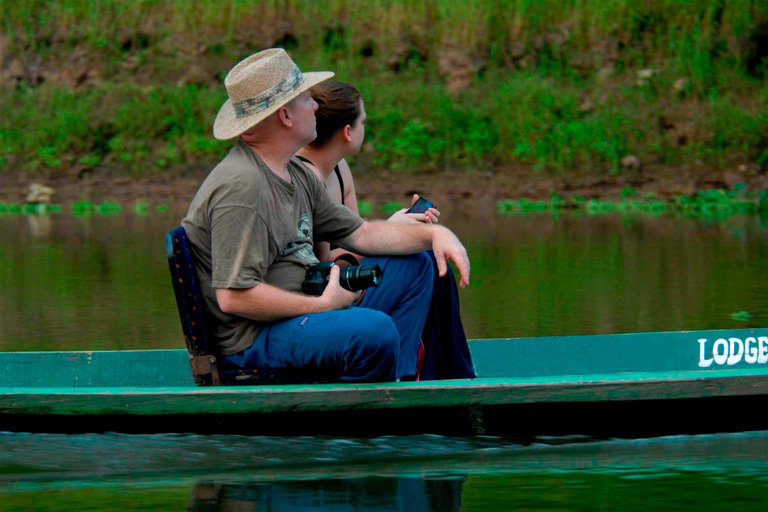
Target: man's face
{"points": [[357, 133], [303, 109]]}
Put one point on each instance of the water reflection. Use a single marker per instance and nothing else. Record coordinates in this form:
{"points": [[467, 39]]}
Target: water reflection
{"points": [[671, 490], [40, 226], [338, 495]]}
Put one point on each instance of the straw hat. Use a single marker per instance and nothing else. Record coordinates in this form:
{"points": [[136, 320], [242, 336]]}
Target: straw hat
{"points": [[257, 87]]}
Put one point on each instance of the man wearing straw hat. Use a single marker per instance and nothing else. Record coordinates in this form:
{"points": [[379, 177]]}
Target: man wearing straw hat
{"points": [[252, 225]]}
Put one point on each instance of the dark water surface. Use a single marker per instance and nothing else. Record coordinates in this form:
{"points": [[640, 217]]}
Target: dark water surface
{"points": [[420, 473], [101, 282], [74, 283]]}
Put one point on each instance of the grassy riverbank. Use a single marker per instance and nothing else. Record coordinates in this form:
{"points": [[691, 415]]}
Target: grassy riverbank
{"points": [[566, 87]]}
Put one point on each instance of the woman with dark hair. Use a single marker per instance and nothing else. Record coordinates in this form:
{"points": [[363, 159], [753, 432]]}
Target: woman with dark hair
{"points": [[340, 132]]}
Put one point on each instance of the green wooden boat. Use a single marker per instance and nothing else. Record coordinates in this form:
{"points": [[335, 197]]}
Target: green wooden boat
{"points": [[625, 385]]}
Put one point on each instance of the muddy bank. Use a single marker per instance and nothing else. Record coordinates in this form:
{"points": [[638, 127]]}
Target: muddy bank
{"points": [[382, 186]]}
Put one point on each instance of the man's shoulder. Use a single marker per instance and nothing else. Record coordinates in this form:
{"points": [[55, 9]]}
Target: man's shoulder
{"points": [[299, 166], [239, 164], [237, 179], [308, 177]]}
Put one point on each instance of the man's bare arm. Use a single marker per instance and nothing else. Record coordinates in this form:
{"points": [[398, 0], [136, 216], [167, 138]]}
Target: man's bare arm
{"points": [[393, 239], [269, 303]]}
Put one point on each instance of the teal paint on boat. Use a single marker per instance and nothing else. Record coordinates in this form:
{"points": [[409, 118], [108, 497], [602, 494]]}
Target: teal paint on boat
{"points": [[616, 353], [109, 368], [493, 358]]}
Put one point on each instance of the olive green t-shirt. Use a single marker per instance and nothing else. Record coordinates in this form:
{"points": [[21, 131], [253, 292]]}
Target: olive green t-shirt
{"points": [[248, 226]]}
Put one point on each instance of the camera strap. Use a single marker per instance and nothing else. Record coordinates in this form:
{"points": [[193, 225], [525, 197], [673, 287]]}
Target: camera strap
{"points": [[349, 258]]}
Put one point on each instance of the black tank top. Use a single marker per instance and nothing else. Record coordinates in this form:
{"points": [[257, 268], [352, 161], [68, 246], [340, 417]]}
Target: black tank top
{"points": [[335, 169]]}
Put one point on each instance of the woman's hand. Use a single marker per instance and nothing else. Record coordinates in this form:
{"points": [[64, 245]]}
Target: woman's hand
{"points": [[429, 217]]}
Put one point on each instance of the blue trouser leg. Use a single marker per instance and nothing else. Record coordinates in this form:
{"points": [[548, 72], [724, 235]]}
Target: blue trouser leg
{"points": [[351, 345], [404, 294], [359, 344], [447, 352]]}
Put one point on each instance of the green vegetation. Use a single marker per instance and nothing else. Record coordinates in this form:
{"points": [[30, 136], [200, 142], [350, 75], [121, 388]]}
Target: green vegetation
{"points": [[79, 208], [392, 207], [88, 208], [741, 316], [365, 208], [28, 209], [560, 85], [705, 204]]}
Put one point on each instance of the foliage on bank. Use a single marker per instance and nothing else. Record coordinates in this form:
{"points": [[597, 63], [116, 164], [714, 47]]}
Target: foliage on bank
{"points": [[710, 204], [557, 84], [715, 204]]}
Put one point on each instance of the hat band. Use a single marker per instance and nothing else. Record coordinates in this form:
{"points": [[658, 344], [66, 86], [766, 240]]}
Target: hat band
{"points": [[266, 99]]}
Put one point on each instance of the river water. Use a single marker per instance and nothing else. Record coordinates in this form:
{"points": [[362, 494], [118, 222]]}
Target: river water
{"points": [[101, 282]]}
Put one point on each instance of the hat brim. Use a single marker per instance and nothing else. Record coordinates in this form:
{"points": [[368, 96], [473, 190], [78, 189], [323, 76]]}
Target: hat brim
{"points": [[228, 126]]}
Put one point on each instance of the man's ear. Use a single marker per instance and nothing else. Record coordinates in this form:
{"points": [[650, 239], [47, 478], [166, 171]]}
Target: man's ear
{"points": [[285, 116], [346, 132]]}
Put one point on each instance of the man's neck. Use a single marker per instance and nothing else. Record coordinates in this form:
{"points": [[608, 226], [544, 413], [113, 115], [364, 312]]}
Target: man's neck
{"points": [[276, 156], [324, 159]]}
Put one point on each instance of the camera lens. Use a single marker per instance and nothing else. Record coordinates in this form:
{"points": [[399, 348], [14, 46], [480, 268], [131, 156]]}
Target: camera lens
{"points": [[359, 277]]}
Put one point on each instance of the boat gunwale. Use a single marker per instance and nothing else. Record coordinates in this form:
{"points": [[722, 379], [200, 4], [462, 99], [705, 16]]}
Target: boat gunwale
{"points": [[329, 397]]}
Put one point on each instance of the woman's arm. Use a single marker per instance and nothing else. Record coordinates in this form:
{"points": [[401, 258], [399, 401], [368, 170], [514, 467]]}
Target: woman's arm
{"points": [[350, 196], [350, 201], [323, 251]]}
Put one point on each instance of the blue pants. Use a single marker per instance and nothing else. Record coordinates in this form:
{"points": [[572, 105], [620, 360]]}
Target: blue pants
{"points": [[447, 353], [376, 341]]}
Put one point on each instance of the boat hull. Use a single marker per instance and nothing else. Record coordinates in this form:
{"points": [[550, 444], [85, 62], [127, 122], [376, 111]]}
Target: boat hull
{"points": [[653, 382]]}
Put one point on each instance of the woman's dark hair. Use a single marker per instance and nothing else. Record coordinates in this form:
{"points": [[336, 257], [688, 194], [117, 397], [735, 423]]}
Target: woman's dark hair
{"points": [[338, 106]]}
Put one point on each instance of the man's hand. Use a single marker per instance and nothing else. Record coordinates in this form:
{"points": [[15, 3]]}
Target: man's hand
{"points": [[334, 296], [267, 303], [447, 246]]}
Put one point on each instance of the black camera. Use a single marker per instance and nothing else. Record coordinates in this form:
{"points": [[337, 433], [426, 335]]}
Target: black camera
{"points": [[353, 278]]}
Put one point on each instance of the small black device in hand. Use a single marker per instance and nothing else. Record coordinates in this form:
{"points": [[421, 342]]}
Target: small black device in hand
{"points": [[353, 278], [420, 206]]}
